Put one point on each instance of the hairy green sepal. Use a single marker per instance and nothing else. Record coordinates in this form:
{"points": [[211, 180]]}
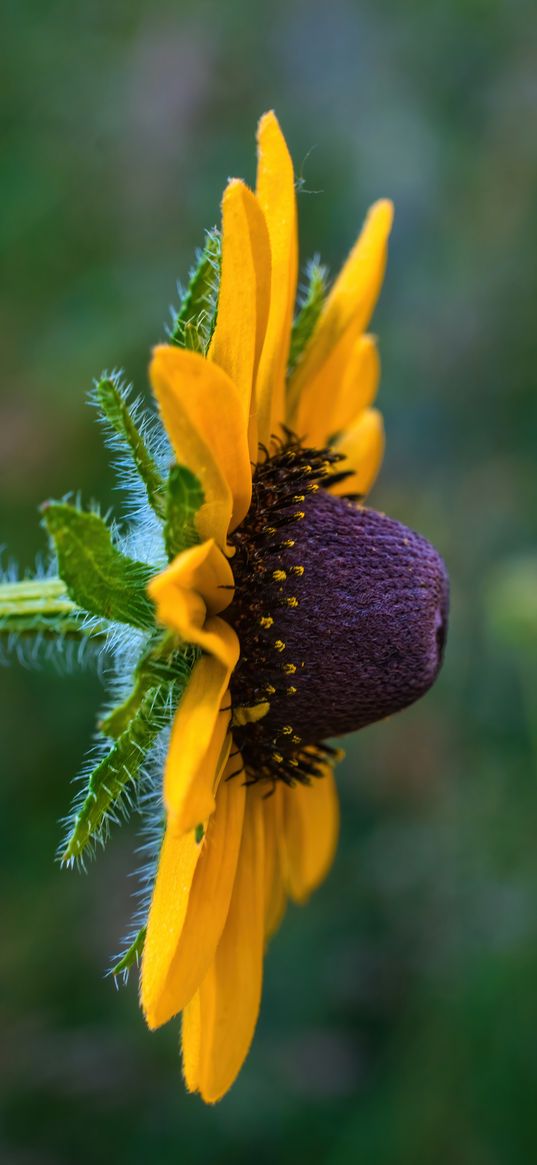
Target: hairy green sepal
{"points": [[183, 500], [161, 663], [309, 312], [108, 792], [194, 323], [159, 681], [131, 956], [98, 576], [111, 399]]}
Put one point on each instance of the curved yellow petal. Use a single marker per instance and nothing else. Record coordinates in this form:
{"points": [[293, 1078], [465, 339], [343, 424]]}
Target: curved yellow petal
{"points": [[244, 296], [360, 383], [275, 895], [351, 377], [177, 863], [199, 746], [362, 446], [191, 1042], [172, 974], [311, 824], [204, 418], [349, 305], [194, 587], [230, 994], [275, 191]]}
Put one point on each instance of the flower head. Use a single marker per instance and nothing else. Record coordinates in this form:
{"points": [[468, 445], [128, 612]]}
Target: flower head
{"points": [[314, 615], [252, 609]]}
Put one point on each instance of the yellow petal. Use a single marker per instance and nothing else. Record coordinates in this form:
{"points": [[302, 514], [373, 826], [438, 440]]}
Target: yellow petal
{"points": [[203, 416], [192, 589], [349, 306], [275, 895], [190, 1043], [172, 976], [362, 445], [198, 743], [349, 388], [177, 863], [244, 296], [311, 822], [276, 195], [230, 995]]}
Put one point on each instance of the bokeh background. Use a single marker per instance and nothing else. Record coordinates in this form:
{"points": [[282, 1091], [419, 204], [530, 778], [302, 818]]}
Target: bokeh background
{"points": [[399, 1020]]}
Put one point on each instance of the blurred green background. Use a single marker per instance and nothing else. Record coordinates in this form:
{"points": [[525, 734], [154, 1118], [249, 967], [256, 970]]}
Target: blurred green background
{"points": [[399, 1020]]}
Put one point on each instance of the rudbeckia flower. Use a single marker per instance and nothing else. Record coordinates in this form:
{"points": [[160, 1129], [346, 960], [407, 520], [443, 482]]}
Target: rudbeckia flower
{"points": [[312, 615], [251, 608]]}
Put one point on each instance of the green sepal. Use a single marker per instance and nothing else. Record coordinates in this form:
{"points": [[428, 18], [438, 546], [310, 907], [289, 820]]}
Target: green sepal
{"points": [[194, 323], [309, 312], [162, 662], [183, 500], [112, 400], [98, 577], [132, 954], [107, 792]]}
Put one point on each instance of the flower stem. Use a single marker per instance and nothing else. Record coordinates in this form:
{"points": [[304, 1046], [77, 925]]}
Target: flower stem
{"points": [[41, 608], [44, 596]]}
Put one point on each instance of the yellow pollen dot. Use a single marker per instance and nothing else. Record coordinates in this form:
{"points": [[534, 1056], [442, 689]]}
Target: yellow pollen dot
{"points": [[266, 621], [291, 691], [277, 756], [293, 761], [298, 570], [300, 497], [296, 739], [313, 487], [269, 530], [289, 668], [292, 601], [289, 543], [287, 730], [279, 645], [299, 515], [270, 689], [279, 575]]}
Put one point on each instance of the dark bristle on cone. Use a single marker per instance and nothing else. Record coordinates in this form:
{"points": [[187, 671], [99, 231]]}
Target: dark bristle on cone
{"points": [[342, 616]]}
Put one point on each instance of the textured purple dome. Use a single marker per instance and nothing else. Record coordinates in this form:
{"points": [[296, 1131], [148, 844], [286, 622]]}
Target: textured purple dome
{"points": [[358, 609]]}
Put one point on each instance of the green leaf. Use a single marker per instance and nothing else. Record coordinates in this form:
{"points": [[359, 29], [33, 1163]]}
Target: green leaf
{"points": [[184, 498], [132, 955], [111, 399], [97, 575], [107, 793], [309, 312], [194, 323]]}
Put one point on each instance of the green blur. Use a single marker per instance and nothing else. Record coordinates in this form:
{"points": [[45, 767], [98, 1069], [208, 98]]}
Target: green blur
{"points": [[399, 1020]]}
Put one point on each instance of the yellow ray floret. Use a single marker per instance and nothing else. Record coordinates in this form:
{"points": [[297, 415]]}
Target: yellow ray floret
{"points": [[346, 313], [362, 447], [174, 968], [275, 191], [205, 421], [219, 1022], [244, 297]]}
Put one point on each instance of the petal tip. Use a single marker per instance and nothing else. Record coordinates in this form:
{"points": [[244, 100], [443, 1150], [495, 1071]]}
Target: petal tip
{"points": [[384, 210]]}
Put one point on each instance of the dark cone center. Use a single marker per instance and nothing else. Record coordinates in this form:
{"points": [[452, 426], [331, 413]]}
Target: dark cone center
{"points": [[341, 613]]}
